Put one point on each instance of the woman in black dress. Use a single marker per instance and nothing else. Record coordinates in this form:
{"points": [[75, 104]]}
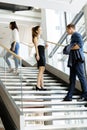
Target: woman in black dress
{"points": [[40, 55]]}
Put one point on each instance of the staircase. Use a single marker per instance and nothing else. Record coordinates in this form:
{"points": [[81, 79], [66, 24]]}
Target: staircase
{"points": [[44, 110]]}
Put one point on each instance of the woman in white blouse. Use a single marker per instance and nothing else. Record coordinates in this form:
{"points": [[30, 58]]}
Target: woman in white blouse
{"points": [[14, 47], [40, 55]]}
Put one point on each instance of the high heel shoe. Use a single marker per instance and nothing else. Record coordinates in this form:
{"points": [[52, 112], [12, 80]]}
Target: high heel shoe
{"points": [[43, 89], [37, 88]]}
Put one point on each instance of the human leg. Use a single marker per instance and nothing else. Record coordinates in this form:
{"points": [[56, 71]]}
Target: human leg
{"points": [[72, 79], [40, 81], [42, 77], [16, 60], [7, 60], [81, 75]]}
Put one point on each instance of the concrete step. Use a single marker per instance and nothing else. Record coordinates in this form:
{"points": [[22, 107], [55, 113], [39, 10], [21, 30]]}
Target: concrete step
{"points": [[29, 84], [56, 109], [30, 88], [41, 107], [28, 80], [57, 127], [49, 103], [39, 92], [60, 117], [44, 97]]}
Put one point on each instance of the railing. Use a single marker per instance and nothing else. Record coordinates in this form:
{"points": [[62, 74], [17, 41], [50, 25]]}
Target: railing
{"points": [[59, 60], [28, 45], [61, 45], [59, 53], [55, 50], [18, 57], [9, 102], [62, 60], [74, 21], [15, 114], [27, 52]]}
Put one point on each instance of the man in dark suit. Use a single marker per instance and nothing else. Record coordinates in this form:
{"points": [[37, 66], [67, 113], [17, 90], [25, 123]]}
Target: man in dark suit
{"points": [[76, 64]]}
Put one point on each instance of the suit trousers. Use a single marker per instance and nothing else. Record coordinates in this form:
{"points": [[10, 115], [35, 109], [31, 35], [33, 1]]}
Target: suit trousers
{"points": [[77, 70]]}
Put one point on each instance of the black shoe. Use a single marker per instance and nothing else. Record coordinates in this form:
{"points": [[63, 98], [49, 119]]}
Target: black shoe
{"points": [[43, 89], [85, 105], [36, 88], [82, 99], [67, 99]]}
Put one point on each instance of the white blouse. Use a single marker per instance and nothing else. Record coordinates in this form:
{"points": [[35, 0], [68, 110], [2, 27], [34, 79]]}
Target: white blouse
{"points": [[15, 36], [41, 42]]}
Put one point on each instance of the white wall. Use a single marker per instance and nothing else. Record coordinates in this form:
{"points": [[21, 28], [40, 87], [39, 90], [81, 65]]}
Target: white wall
{"points": [[64, 5]]}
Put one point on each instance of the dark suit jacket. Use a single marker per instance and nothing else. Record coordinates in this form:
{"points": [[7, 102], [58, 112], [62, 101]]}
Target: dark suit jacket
{"points": [[76, 38]]}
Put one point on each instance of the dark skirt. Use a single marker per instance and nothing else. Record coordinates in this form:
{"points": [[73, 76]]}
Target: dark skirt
{"points": [[42, 61]]}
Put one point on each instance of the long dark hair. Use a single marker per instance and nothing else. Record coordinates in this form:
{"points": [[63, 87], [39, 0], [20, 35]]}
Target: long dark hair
{"points": [[34, 32], [13, 25]]}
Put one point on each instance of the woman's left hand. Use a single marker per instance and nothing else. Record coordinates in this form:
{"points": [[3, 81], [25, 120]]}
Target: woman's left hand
{"points": [[13, 49], [37, 57], [46, 45]]}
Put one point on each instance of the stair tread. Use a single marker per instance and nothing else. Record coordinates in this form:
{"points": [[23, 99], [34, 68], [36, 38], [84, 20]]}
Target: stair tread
{"points": [[58, 117], [8, 83], [54, 102], [49, 101], [41, 97], [56, 127], [29, 87], [39, 92], [57, 109]]}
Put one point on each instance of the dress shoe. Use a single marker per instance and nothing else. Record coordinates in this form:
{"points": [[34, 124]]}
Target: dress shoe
{"points": [[82, 99], [67, 99], [43, 89], [10, 70], [16, 72], [85, 105], [37, 88]]}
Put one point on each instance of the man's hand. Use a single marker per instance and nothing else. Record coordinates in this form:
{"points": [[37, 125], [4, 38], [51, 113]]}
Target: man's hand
{"points": [[76, 47]]}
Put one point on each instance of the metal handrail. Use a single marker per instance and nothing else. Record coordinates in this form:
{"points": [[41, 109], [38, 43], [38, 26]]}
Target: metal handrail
{"points": [[8, 50], [15, 113], [61, 45], [74, 21], [27, 44]]}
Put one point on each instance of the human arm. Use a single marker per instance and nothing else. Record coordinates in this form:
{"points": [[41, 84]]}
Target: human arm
{"points": [[15, 38], [46, 45], [36, 48], [75, 47], [13, 46], [75, 44], [76, 41]]}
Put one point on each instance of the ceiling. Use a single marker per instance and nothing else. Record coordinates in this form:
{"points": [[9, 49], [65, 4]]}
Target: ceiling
{"points": [[65, 1], [21, 13], [66, 5], [14, 7]]}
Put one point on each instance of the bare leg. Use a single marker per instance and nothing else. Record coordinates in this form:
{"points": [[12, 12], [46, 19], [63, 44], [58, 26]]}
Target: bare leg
{"points": [[42, 78], [40, 75], [42, 81]]}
